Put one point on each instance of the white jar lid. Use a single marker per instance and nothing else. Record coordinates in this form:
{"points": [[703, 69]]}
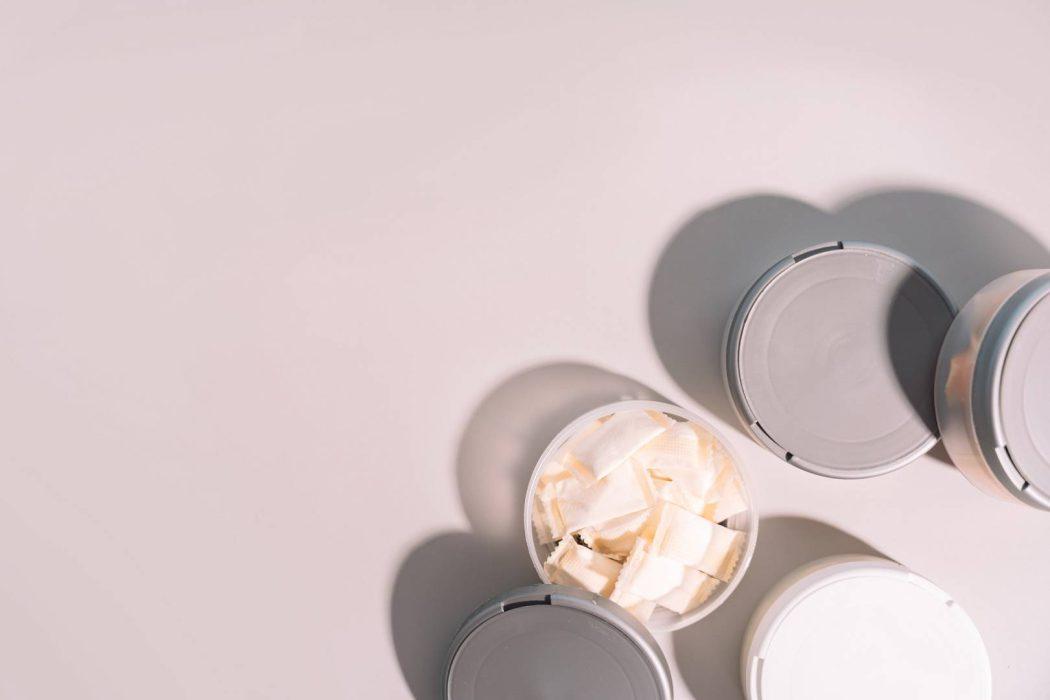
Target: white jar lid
{"points": [[862, 628]]}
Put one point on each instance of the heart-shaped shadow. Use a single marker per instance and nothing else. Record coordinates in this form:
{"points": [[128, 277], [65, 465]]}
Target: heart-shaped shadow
{"points": [[712, 261], [448, 575]]}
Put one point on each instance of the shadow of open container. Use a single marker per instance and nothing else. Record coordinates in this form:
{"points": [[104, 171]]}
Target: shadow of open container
{"points": [[448, 574]]}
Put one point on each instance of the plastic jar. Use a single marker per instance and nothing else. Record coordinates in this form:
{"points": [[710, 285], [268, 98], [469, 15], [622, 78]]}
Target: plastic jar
{"points": [[993, 389], [863, 628], [746, 522]]}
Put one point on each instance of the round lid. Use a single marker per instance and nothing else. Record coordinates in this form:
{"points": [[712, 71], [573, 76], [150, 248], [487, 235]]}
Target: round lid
{"points": [[863, 628], [548, 641], [1011, 377], [1025, 396], [832, 355]]}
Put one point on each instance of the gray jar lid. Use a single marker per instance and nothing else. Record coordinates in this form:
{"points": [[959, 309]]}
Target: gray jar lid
{"points": [[830, 359], [546, 641], [1011, 393]]}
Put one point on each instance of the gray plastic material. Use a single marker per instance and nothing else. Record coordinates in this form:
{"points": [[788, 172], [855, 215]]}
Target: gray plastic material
{"points": [[831, 356], [551, 642], [1011, 393], [1025, 396]]}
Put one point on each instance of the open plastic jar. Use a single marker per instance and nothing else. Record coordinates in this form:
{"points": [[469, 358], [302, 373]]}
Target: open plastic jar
{"points": [[745, 521]]}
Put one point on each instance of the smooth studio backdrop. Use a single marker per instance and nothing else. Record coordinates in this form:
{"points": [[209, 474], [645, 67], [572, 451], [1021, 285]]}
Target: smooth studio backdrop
{"points": [[293, 294]]}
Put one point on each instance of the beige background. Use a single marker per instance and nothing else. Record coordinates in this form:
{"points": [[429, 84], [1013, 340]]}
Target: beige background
{"points": [[292, 294]]}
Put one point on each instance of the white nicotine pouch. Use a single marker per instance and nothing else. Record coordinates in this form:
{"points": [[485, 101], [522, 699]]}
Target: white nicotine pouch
{"points": [[616, 537], [674, 493], [634, 604], [604, 449], [546, 518], [565, 454], [572, 564], [726, 498], [694, 541], [684, 454], [623, 491], [661, 580]]}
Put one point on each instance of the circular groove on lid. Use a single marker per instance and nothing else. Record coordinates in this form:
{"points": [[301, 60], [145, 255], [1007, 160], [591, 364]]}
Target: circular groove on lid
{"points": [[835, 359]]}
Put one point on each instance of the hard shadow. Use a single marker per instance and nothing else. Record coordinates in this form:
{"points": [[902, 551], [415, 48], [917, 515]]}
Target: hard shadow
{"points": [[915, 325], [705, 270], [964, 244], [447, 576], [509, 430], [437, 586], [718, 254], [708, 653]]}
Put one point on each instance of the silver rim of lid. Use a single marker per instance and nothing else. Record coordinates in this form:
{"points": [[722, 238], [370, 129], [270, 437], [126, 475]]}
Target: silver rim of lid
{"points": [[523, 621], [1011, 370], [892, 430]]}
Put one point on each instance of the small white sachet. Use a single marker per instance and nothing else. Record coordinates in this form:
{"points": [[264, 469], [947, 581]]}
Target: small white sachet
{"points": [[685, 454], [616, 537], [726, 496], [565, 454], [624, 490], [696, 587], [661, 580], [546, 518], [601, 451], [638, 606], [673, 492], [572, 564], [698, 543], [553, 472]]}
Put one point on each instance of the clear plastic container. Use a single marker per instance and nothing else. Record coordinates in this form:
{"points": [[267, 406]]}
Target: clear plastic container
{"points": [[746, 522]]}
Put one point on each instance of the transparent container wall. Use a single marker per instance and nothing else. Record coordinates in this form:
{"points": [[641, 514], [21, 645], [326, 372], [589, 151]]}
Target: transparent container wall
{"points": [[746, 521]]}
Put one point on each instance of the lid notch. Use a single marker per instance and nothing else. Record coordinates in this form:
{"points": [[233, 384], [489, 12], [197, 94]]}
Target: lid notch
{"points": [[511, 605], [766, 439], [817, 250]]}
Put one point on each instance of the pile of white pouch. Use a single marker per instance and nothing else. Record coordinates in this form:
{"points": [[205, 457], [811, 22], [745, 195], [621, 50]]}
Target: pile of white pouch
{"points": [[634, 502]]}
